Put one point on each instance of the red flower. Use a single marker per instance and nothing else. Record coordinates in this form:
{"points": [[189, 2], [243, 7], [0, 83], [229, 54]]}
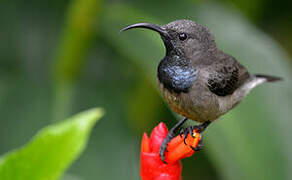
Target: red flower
{"points": [[152, 168]]}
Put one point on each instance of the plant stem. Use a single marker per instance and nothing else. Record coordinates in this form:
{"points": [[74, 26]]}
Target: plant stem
{"points": [[70, 55]]}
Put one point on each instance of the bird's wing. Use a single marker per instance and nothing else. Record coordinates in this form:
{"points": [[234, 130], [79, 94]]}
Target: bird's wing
{"points": [[225, 76]]}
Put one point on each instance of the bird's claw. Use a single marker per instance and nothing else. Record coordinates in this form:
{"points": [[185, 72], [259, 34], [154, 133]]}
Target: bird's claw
{"points": [[186, 132], [199, 146], [163, 147], [162, 153], [190, 130]]}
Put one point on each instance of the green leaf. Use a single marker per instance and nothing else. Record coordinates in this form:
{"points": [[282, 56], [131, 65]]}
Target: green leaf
{"points": [[51, 151]]}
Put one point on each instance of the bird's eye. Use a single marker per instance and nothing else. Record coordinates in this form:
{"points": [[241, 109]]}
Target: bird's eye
{"points": [[182, 36]]}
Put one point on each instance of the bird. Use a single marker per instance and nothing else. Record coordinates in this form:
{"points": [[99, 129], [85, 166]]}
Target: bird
{"points": [[197, 79]]}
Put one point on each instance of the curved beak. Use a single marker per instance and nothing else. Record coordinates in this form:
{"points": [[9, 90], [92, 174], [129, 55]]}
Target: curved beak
{"points": [[162, 31], [150, 26]]}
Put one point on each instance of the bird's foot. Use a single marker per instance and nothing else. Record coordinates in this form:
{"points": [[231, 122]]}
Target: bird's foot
{"points": [[201, 127], [190, 130], [186, 132], [163, 147], [199, 146], [170, 135]]}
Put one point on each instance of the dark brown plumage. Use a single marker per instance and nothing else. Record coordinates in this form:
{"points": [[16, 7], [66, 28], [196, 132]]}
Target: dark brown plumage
{"points": [[226, 76], [197, 80]]}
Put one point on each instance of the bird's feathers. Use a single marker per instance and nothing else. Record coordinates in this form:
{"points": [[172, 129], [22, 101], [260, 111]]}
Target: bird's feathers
{"points": [[269, 78], [176, 75], [226, 75], [197, 79]]}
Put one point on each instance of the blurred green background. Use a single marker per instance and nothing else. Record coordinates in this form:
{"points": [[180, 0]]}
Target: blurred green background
{"points": [[60, 57]]}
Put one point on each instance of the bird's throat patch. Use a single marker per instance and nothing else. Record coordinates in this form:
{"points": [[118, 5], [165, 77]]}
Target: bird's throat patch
{"points": [[175, 77]]}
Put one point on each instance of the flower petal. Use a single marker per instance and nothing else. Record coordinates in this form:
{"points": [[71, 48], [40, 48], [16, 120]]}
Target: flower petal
{"points": [[157, 136], [145, 147], [152, 167], [177, 149]]}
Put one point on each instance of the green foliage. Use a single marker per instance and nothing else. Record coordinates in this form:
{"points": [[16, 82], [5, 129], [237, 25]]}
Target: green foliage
{"points": [[51, 151], [76, 37], [82, 17]]}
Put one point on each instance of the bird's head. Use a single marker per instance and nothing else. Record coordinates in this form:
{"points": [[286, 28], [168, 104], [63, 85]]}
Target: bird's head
{"points": [[181, 37]]}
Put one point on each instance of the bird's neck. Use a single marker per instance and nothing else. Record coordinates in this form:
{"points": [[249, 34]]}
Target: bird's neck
{"points": [[175, 60]]}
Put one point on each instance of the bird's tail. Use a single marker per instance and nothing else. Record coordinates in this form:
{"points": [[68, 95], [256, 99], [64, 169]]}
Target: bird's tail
{"points": [[254, 81], [268, 78]]}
